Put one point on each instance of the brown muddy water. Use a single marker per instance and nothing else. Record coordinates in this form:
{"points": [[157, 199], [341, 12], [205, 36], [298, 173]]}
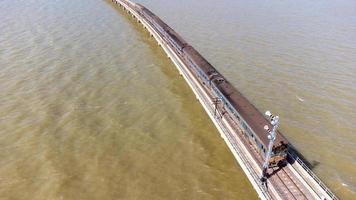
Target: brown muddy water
{"points": [[91, 108]]}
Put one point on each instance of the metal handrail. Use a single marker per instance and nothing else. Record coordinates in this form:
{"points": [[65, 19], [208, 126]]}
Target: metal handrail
{"points": [[313, 175]]}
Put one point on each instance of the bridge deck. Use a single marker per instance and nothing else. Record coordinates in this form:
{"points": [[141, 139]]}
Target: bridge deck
{"points": [[293, 181]]}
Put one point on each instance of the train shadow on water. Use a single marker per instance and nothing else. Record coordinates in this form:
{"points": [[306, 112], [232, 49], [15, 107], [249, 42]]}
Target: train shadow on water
{"points": [[310, 164]]}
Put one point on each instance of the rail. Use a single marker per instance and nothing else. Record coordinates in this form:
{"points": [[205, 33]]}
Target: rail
{"points": [[313, 175]]}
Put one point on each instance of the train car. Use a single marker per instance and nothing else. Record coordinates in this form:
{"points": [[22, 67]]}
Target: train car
{"points": [[155, 21], [251, 120], [176, 40], [202, 67], [253, 123], [167, 32]]}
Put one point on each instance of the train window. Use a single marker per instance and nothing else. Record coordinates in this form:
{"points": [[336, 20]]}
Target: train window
{"points": [[244, 125], [238, 118], [249, 132]]}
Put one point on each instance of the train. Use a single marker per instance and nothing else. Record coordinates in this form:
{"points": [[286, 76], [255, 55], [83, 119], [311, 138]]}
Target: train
{"points": [[250, 120]]}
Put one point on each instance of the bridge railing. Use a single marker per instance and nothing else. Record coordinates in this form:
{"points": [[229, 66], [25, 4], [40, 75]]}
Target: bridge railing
{"points": [[313, 175]]}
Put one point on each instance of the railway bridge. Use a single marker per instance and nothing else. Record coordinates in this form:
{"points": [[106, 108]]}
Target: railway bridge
{"points": [[294, 180]]}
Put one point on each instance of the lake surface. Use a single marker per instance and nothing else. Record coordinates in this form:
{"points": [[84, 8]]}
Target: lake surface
{"points": [[91, 108]]}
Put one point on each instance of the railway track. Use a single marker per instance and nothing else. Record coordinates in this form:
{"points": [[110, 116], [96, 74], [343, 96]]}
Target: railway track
{"points": [[292, 191]]}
